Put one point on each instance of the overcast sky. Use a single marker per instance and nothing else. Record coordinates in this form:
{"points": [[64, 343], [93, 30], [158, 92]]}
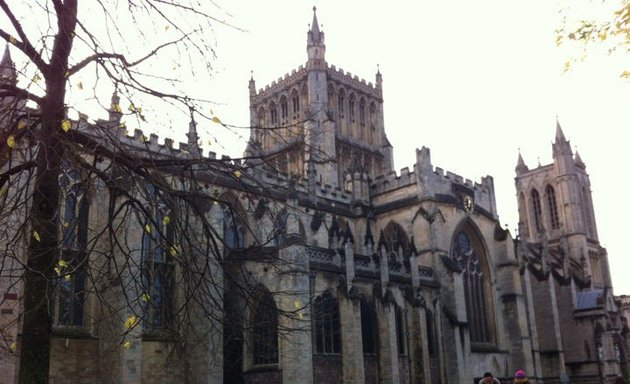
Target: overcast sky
{"points": [[473, 81]]}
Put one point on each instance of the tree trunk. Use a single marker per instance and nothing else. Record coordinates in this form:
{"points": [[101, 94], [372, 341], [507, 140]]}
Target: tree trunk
{"points": [[43, 246]]}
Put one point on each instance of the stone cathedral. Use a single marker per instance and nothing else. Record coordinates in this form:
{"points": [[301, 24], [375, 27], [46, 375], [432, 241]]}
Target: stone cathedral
{"points": [[387, 277]]}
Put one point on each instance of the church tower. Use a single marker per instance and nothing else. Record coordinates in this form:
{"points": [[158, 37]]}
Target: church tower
{"points": [[555, 205], [320, 123]]}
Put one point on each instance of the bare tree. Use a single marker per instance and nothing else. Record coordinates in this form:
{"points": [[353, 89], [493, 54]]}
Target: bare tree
{"points": [[54, 170]]}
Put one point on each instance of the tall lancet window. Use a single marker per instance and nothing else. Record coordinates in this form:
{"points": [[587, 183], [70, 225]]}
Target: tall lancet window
{"points": [[73, 256], [552, 207], [341, 103], [536, 210], [468, 252], [351, 103]]}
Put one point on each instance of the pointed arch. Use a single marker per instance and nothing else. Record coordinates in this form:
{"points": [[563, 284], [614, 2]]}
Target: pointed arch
{"points": [[326, 324], [394, 238], [264, 326], [295, 103], [372, 139], [234, 222], [536, 209], [552, 208], [273, 114], [341, 103], [469, 251], [284, 109], [279, 234], [362, 112], [352, 100]]}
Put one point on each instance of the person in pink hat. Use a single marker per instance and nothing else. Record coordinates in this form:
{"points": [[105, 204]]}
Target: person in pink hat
{"points": [[520, 377]]}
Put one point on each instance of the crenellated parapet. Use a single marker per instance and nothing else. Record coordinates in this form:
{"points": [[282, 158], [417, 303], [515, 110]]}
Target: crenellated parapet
{"points": [[282, 84], [353, 81]]}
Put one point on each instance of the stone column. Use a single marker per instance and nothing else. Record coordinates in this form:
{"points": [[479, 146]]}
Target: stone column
{"points": [[351, 341]]}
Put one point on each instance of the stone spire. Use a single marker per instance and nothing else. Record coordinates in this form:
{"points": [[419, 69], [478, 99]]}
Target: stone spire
{"points": [[315, 36], [115, 112], [315, 46], [252, 85], [193, 137], [379, 77], [561, 147], [578, 161], [7, 68], [520, 165]]}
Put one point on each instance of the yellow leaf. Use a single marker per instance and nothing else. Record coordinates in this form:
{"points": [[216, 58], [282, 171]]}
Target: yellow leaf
{"points": [[131, 108], [12, 40], [36, 78], [80, 85], [66, 125], [3, 191], [166, 220], [36, 236], [145, 297], [58, 271], [300, 315], [131, 322], [567, 66], [11, 141], [62, 263], [66, 75], [116, 108], [127, 344], [67, 277], [65, 224], [22, 124], [147, 228], [174, 251], [216, 120], [166, 28], [13, 347], [625, 74], [297, 304], [237, 173]]}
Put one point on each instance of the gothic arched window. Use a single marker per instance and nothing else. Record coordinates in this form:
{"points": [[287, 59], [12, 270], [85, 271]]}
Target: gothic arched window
{"points": [[522, 210], [265, 330], [233, 229], [295, 99], [284, 108], [341, 103], [327, 328], [552, 207], [467, 251], [73, 250], [157, 243], [273, 114], [362, 111], [351, 103], [369, 327], [279, 234], [536, 210]]}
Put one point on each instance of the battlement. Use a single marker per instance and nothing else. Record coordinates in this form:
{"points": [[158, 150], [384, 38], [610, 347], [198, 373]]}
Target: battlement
{"points": [[281, 84], [138, 140], [393, 181], [353, 81], [439, 181]]}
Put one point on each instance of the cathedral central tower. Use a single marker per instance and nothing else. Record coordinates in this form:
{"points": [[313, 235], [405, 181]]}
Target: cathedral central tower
{"points": [[320, 123]]}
